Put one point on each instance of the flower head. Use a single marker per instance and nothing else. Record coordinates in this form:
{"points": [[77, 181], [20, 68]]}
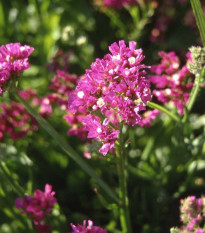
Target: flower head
{"points": [[38, 206], [15, 121], [172, 82], [90, 228], [114, 86], [13, 60]]}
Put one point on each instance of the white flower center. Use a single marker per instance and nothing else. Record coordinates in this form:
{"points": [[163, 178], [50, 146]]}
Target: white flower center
{"points": [[127, 72], [99, 130], [46, 101], [80, 94], [168, 91], [175, 65], [100, 102], [131, 60], [175, 77], [22, 48], [116, 57], [111, 71]]}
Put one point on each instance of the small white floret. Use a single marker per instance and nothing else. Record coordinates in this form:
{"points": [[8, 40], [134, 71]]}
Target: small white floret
{"points": [[80, 94]]}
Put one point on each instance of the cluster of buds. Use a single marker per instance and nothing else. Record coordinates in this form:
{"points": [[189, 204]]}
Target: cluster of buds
{"points": [[172, 83], [192, 215], [90, 228], [13, 60], [197, 60], [38, 207], [115, 90]]}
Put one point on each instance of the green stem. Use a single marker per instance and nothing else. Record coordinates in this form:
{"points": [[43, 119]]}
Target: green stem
{"points": [[194, 93], [162, 109], [198, 13], [122, 173], [10, 179], [67, 148], [195, 89]]}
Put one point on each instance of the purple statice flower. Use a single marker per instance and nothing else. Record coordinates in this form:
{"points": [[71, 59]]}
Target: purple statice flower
{"points": [[171, 82], [13, 60], [62, 85], [102, 132], [199, 230], [191, 215], [38, 207], [42, 104], [118, 3], [115, 85], [75, 122], [148, 116], [90, 228], [15, 121], [191, 225]]}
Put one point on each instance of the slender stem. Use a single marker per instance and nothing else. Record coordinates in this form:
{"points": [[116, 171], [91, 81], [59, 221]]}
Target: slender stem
{"points": [[67, 148], [10, 179], [122, 173], [162, 109], [194, 93], [199, 15], [195, 90]]}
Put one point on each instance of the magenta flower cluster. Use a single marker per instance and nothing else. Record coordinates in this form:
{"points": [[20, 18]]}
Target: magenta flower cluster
{"points": [[192, 215], [148, 117], [118, 3], [13, 60], [38, 207], [15, 121], [172, 82], [87, 228], [116, 89]]}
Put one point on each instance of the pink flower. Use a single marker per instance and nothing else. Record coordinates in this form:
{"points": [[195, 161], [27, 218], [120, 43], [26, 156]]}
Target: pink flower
{"points": [[114, 86], [87, 229], [115, 82], [38, 207], [75, 121], [148, 116], [193, 222], [102, 132], [15, 121], [199, 230], [13, 60], [118, 3], [172, 83]]}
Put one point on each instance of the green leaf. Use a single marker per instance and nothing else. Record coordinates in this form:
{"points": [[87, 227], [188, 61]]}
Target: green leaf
{"points": [[198, 13], [67, 148]]}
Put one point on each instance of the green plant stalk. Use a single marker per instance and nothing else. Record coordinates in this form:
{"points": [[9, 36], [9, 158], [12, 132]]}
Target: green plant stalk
{"points": [[122, 174], [199, 16], [195, 89], [10, 179], [67, 148], [162, 109]]}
